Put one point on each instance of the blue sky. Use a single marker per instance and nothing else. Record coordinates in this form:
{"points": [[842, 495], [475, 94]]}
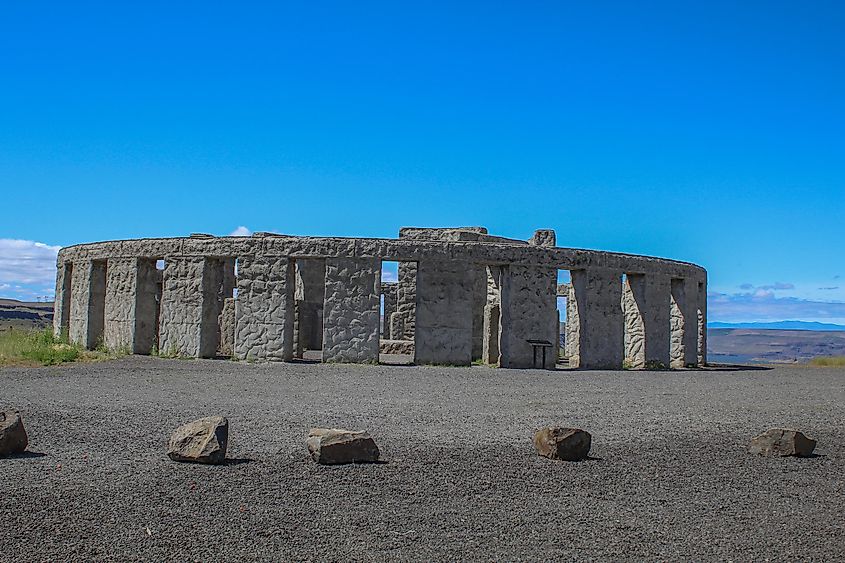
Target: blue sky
{"points": [[711, 132]]}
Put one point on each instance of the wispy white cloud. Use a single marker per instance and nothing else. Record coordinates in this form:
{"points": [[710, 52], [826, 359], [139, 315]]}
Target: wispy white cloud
{"points": [[26, 268], [765, 305], [240, 232]]}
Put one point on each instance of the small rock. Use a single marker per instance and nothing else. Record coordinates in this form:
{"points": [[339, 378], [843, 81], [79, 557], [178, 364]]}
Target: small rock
{"points": [[569, 444], [331, 446], [779, 442], [200, 441], [13, 438]]}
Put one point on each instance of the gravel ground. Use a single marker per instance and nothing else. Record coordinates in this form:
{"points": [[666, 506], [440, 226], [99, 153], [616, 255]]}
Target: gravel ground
{"points": [[669, 478]]}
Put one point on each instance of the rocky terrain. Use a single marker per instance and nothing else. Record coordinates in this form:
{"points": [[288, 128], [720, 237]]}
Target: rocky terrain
{"points": [[24, 314], [669, 476]]}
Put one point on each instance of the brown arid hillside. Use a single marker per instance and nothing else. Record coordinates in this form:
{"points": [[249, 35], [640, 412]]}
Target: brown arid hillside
{"points": [[17, 315], [741, 345]]}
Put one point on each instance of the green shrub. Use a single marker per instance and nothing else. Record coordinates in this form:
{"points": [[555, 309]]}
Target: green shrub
{"points": [[21, 346], [829, 361]]}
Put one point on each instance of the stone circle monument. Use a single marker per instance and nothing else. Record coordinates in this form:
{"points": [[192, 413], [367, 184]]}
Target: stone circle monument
{"points": [[462, 295]]}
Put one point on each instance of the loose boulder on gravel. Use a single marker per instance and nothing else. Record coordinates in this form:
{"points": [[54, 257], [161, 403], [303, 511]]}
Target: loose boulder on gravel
{"points": [[568, 444], [13, 438], [200, 441], [331, 446], [781, 442]]}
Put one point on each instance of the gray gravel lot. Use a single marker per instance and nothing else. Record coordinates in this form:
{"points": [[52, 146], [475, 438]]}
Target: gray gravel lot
{"points": [[669, 480]]}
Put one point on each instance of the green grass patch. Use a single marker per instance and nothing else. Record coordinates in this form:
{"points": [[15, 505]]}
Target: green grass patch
{"points": [[828, 361], [36, 347]]}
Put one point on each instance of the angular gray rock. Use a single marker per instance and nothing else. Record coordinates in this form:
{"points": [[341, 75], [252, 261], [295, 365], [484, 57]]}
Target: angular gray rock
{"points": [[568, 444], [331, 446], [781, 442], [13, 438], [200, 441]]}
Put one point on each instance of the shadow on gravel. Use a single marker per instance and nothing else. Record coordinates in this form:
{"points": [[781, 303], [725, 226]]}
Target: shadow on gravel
{"points": [[735, 367], [238, 460], [25, 455]]}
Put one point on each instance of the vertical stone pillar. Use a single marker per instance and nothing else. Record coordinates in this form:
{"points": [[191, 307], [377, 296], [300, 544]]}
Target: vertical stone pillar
{"points": [[214, 279], [646, 309], [310, 294], [87, 301], [390, 292], [227, 328], [444, 302], [599, 337], [264, 308], [181, 314], [573, 326], [61, 305], [479, 301], [406, 298], [684, 323], [130, 306], [529, 312], [351, 310], [492, 315], [702, 323]]}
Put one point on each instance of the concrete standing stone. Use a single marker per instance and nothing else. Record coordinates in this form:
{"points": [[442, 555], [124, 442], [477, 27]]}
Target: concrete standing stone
{"points": [[330, 446], [200, 441], [13, 438], [781, 442], [568, 444]]}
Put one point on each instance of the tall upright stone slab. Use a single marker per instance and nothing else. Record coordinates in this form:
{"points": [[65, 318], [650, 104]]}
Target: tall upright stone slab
{"points": [[390, 292], [87, 303], [264, 308], [684, 323], [309, 295], [444, 313], [130, 305], [351, 310], [181, 316], [529, 312], [406, 300], [479, 301], [61, 310], [702, 323], [598, 326], [492, 315], [646, 308]]}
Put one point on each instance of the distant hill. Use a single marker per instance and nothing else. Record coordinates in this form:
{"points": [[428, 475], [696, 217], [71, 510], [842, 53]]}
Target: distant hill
{"points": [[743, 345], [781, 325], [16, 314]]}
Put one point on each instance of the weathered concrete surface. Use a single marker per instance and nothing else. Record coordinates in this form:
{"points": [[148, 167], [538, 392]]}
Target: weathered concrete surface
{"points": [[529, 311], [390, 293], [646, 309], [87, 303], [683, 347], [130, 305], [264, 308], [444, 313], [181, 317], [227, 328], [406, 301], [187, 315], [61, 312], [351, 310], [309, 296], [396, 347], [597, 328]]}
